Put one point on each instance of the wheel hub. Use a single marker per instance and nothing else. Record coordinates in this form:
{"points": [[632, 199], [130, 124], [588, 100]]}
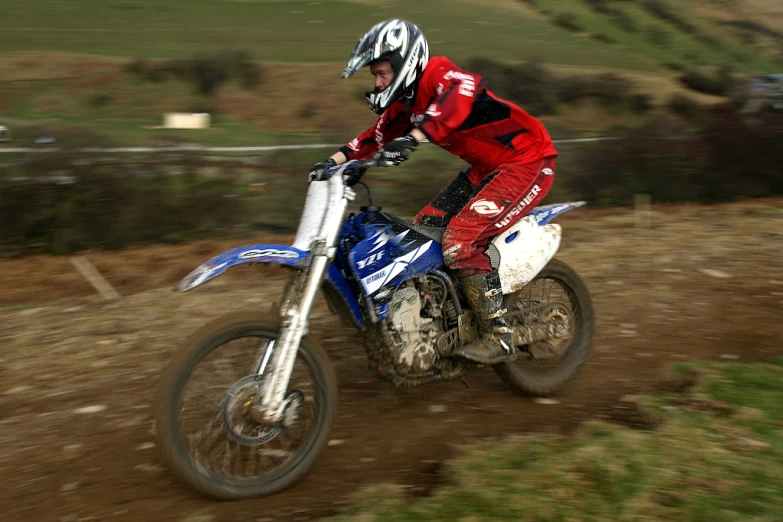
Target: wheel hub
{"points": [[239, 420]]}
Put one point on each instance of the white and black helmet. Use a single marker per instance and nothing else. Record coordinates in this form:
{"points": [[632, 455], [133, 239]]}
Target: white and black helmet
{"points": [[404, 45]]}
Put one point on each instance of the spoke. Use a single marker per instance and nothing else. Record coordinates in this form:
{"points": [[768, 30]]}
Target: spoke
{"points": [[214, 454], [226, 467], [251, 461], [201, 435], [201, 398], [282, 438]]}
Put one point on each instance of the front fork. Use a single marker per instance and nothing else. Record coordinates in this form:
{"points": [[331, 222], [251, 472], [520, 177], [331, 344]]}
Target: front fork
{"points": [[295, 312]]}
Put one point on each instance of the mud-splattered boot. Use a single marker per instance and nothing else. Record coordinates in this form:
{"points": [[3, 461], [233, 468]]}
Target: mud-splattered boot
{"points": [[495, 343]]}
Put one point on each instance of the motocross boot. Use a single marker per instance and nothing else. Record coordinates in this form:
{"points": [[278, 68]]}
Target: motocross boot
{"points": [[495, 343]]}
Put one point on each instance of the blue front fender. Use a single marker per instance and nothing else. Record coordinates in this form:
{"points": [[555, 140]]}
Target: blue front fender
{"points": [[279, 254]]}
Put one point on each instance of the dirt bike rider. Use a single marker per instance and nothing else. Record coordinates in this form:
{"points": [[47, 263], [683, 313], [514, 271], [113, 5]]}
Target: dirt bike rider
{"points": [[511, 155]]}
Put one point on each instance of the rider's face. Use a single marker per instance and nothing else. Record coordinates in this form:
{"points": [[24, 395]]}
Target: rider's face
{"points": [[384, 74]]}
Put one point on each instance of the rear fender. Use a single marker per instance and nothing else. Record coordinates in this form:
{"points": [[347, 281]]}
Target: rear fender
{"points": [[278, 254], [547, 213]]}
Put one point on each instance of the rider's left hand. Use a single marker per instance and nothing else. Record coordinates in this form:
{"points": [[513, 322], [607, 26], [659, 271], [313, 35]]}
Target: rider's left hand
{"points": [[397, 151], [320, 171]]}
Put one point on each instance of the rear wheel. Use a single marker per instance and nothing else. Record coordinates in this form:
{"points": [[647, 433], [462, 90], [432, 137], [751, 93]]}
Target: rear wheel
{"points": [[558, 300], [207, 428]]}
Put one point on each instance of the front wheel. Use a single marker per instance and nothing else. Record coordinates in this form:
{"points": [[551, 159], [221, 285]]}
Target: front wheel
{"points": [[206, 427], [558, 298]]}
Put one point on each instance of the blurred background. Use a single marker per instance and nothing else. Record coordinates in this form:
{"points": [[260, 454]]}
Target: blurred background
{"points": [[668, 119]]}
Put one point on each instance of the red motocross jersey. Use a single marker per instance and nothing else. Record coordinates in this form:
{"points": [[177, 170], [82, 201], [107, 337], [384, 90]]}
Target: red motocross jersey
{"points": [[456, 111]]}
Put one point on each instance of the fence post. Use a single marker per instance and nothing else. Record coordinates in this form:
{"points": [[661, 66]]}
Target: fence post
{"points": [[642, 210], [97, 281]]}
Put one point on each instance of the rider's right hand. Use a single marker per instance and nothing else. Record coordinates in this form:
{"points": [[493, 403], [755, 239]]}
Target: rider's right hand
{"points": [[319, 171]]}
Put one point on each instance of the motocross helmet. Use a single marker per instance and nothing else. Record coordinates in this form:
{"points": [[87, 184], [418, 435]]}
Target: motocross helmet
{"points": [[404, 45]]}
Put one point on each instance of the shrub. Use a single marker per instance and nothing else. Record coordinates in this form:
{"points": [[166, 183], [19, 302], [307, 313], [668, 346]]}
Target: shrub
{"points": [[719, 85], [60, 203], [207, 72], [684, 106], [608, 89], [568, 21], [616, 16], [604, 38], [528, 84], [640, 103], [661, 10], [728, 157], [623, 20], [710, 41], [748, 25], [658, 36], [675, 66], [99, 99], [308, 111]]}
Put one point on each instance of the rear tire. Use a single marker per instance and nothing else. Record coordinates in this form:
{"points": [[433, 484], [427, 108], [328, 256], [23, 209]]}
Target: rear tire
{"points": [[169, 422], [555, 379]]}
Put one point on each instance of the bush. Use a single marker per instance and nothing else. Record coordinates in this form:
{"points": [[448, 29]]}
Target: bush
{"points": [[64, 202], [658, 36], [748, 25], [616, 16], [568, 21], [674, 66], [661, 10], [623, 20], [608, 89], [640, 103], [528, 84], [308, 111], [604, 38], [719, 85], [727, 158], [684, 106], [207, 72], [99, 99], [710, 41]]}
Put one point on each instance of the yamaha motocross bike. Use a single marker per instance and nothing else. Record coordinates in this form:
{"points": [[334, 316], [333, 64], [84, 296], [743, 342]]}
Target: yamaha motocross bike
{"points": [[247, 404]]}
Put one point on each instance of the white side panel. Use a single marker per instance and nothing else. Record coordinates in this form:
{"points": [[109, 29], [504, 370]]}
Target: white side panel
{"points": [[527, 254]]}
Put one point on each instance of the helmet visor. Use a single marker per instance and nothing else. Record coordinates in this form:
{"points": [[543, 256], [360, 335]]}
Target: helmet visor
{"points": [[358, 59]]}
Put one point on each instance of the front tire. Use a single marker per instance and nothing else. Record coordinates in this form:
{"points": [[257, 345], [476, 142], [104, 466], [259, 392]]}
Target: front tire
{"points": [[261, 444], [546, 379]]}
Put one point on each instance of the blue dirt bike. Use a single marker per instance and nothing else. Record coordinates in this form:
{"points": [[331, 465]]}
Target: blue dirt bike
{"points": [[247, 404]]}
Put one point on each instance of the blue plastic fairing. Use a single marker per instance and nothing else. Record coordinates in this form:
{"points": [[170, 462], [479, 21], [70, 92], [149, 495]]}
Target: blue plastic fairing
{"points": [[279, 254], [336, 277], [547, 213]]}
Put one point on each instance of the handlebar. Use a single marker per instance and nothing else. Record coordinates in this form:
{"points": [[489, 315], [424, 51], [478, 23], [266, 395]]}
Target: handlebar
{"points": [[354, 169], [354, 165]]}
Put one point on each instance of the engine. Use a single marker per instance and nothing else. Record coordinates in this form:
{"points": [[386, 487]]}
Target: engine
{"points": [[404, 345]]}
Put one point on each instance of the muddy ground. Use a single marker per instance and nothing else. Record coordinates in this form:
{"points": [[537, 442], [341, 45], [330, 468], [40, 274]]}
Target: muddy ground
{"points": [[78, 374]]}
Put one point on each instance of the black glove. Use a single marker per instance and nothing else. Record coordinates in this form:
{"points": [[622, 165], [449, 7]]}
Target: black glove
{"points": [[319, 171], [397, 151], [352, 175]]}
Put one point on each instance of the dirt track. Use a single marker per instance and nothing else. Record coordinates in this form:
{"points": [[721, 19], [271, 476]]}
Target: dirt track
{"points": [[701, 283]]}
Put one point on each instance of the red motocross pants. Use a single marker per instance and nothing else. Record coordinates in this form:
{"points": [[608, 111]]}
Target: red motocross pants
{"points": [[477, 206]]}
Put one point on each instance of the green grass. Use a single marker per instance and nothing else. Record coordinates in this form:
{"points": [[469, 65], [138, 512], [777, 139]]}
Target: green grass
{"points": [[682, 49], [292, 31], [718, 455]]}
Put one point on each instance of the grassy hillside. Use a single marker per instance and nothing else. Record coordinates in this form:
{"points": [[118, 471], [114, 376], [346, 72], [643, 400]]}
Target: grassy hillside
{"points": [[684, 34], [289, 31], [63, 64], [324, 31]]}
